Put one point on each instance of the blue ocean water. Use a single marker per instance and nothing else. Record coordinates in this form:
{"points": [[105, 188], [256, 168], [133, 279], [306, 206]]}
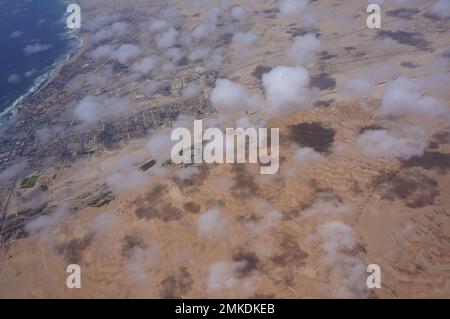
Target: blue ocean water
{"points": [[33, 37]]}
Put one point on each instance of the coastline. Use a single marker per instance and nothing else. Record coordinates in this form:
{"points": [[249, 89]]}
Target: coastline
{"points": [[45, 79]]}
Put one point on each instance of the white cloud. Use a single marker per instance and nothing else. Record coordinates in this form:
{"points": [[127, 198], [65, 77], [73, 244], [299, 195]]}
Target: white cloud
{"points": [[92, 109], [159, 146], [381, 143], [441, 8], [238, 13], [222, 275], [146, 65], [126, 52], [244, 38], [292, 7], [117, 29], [13, 170], [16, 34], [231, 96], [304, 156], [403, 96], [286, 89], [167, 39], [35, 48], [13, 79], [304, 49], [211, 223], [46, 221], [126, 175]]}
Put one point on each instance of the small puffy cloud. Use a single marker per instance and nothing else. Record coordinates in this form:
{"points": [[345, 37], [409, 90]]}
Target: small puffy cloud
{"points": [[159, 25], [199, 53], [186, 173], [117, 29], [126, 53], [441, 8], [35, 48], [13, 79], [142, 263], [304, 49], [305, 156], [232, 96], [238, 13], [244, 38], [101, 21], [381, 143], [44, 222], [16, 34], [126, 175], [13, 171], [92, 109], [292, 7], [347, 273], [269, 218], [101, 52], [190, 90], [30, 73], [325, 204], [287, 88], [403, 96], [208, 26], [149, 88], [159, 146], [363, 86], [167, 39], [212, 223], [222, 275], [146, 65]]}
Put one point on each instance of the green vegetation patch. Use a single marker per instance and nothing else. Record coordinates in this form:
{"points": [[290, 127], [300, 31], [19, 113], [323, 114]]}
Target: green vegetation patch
{"points": [[29, 182]]}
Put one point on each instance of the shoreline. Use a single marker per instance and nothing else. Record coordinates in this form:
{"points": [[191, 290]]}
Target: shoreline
{"points": [[45, 79]]}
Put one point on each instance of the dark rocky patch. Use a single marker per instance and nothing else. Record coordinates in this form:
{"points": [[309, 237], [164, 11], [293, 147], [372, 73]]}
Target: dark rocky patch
{"points": [[415, 189], [176, 285], [325, 55], [295, 32], [290, 252], [155, 194], [250, 262], [323, 81], [192, 207], [227, 38], [72, 251], [433, 145], [432, 17], [348, 49], [184, 61], [409, 65], [442, 137], [371, 127], [323, 103], [413, 39], [357, 55], [129, 243], [312, 135], [245, 182], [430, 160], [164, 212], [260, 70], [403, 13]]}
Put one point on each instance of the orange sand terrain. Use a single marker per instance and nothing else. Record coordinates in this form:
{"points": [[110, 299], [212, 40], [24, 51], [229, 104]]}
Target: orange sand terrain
{"points": [[336, 205]]}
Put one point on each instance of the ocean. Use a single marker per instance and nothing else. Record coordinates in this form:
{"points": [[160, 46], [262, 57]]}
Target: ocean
{"points": [[33, 39]]}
